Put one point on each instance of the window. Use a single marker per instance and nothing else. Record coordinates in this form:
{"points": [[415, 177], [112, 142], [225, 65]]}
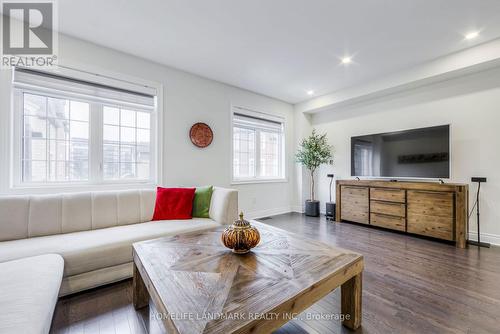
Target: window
{"points": [[73, 131], [258, 146]]}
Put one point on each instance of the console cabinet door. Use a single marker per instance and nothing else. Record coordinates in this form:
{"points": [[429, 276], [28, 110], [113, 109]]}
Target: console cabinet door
{"points": [[354, 204], [430, 213]]}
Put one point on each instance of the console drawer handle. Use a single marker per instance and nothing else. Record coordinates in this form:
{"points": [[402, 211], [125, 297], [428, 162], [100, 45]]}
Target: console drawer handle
{"points": [[387, 189], [431, 192], [387, 203], [388, 216]]}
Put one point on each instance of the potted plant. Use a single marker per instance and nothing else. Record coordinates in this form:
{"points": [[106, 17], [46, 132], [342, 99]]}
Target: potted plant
{"points": [[313, 152]]}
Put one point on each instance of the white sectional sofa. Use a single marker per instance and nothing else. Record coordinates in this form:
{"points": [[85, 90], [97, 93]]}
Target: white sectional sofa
{"points": [[94, 231]]}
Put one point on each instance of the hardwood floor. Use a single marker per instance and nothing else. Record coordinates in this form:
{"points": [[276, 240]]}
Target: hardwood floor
{"points": [[410, 285]]}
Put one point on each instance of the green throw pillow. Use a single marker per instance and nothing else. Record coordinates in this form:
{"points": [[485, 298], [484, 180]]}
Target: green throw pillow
{"points": [[201, 202]]}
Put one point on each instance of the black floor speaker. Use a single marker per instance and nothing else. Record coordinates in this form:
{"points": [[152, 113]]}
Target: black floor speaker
{"points": [[330, 210]]}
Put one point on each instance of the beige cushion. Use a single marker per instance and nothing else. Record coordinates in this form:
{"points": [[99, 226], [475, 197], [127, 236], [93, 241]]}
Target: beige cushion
{"points": [[148, 201], [28, 293], [14, 217], [104, 210], [129, 207], [45, 215], [91, 250], [76, 212], [224, 205]]}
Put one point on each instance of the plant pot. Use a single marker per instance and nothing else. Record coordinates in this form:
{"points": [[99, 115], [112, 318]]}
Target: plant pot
{"points": [[312, 208]]}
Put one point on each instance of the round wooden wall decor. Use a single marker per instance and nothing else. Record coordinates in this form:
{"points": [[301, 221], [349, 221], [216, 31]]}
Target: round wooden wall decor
{"points": [[201, 135]]}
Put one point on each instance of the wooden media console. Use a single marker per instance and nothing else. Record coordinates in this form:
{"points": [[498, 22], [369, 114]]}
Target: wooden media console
{"points": [[424, 208]]}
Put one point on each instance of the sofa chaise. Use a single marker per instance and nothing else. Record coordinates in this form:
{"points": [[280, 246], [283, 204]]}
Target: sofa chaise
{"points": [[28, 293]]}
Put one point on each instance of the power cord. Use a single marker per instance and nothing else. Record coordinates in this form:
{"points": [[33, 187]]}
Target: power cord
{"points": [[475, 203], [472, 210]]}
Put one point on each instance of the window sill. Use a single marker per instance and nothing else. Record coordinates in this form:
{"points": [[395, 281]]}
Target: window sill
{"points": [[78, 187], [258, 181]]}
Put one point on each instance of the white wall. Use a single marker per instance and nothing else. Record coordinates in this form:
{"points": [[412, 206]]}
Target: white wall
{"points": [[471, 104], [187, 99]]}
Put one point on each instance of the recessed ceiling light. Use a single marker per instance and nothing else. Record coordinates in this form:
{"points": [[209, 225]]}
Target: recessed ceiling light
{"points": [[472, 35], [310, 92], [346, 60]]}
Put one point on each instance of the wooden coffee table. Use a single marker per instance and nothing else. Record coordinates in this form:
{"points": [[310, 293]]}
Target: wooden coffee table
{"points": [[199, 286]]}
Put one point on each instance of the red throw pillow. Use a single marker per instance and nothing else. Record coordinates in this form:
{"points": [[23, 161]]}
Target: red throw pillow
{"points": [[173, 203]]}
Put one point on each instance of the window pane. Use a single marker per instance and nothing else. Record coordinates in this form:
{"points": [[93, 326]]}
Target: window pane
{"points": [[127, 153], [244, 153], [127, 118], [111, 134], [35, 105], [143, 137], [79, 150], [79, 170], [35, 127], [111, 153], [130, 155], [79, 130], [58, 128], [64, 156], [143, 120], [111, 116], [34, 171], [127, 170], [143, 171], [79, 111], [58, 171], [59, 150], [35, 149], [143, 154], [111, 171], [127, 135], [58, 108], [269, 154]]}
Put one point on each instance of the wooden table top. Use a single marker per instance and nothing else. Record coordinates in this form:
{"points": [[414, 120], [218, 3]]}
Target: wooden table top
{"points": [[193, 279]]}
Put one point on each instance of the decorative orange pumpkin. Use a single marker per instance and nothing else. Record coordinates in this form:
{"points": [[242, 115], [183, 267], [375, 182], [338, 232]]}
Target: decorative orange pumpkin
{"points": [[240, 236]]}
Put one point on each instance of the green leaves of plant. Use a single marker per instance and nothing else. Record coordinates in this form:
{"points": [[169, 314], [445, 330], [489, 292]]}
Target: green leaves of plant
{"points": [[314, 151]]}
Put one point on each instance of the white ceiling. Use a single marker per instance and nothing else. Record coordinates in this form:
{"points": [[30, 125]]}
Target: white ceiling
{"points": [[283, 48]]}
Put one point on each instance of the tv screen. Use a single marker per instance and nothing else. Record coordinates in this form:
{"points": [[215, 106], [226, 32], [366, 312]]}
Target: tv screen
{"points": [[416, 153]]}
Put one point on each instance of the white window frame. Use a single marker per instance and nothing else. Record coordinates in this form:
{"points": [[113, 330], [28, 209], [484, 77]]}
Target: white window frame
{"points": [[95, 181], [281, 161]]}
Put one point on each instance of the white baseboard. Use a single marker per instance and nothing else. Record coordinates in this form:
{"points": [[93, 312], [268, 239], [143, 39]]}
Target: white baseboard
{"points": [[268, 212], [297, 208], [493, 239]]}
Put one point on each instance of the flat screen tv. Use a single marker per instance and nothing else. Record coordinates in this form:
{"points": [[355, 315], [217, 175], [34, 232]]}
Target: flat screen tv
{"points": [[416, 153]]}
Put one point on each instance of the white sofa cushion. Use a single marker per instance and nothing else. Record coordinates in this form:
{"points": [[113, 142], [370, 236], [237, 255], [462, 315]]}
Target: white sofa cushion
{"points": [[91, 250], [28, 294], [104, 210], [14, 217], [76, 212], [46, 211], [224, 205]]}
